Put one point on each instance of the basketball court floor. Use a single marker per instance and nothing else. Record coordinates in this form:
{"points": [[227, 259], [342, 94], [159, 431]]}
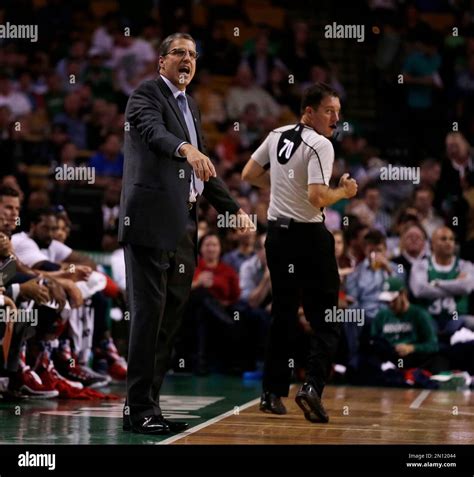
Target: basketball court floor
{"points": [[224, 410]]}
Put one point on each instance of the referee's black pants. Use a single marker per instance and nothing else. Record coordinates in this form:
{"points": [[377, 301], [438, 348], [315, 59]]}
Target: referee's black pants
{"points": [[303, 270]]}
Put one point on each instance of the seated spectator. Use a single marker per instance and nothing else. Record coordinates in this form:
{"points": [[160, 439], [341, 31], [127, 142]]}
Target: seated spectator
{"points": [[108, 162], [282, 90], [343, 260], [251, 130], [73, 120], [442, 283], [413, 246], [246, 92], [458, 163], [261, 61], [365, 283], [63, 229], [214, 293], [98, 76], [255, 277], [355, 240], [133, 60], [244, 251], [209, 102], [382, 221], [110, 206], [101, 122], [423, 204], [363, 287], [229, 148], [402, 335], [405, 216], [102, 38], [403, 326], [69, 154], [16, 101], [74, 63], [360, 210], [54, 96], [430, 173], [203, 229]]}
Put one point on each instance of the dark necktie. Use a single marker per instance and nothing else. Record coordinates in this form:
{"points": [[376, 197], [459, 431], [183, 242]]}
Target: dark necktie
{"points": [[196, 183]]}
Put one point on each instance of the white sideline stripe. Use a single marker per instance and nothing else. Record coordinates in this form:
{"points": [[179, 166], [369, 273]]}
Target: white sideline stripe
{"points": [[419, 399], [175, 438]]}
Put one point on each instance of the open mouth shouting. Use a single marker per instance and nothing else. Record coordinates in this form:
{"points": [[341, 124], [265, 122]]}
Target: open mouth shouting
{"points": [[184, 71]]}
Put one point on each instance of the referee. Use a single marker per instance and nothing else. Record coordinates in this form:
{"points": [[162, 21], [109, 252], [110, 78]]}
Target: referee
{"points": [[296, 162]]}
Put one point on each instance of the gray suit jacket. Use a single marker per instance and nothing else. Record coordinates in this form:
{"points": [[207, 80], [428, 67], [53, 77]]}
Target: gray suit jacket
{"points": [[154, 201]]}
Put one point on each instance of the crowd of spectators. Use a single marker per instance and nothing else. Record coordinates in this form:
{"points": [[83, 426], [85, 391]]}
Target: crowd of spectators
{"points": [[62, 103]]}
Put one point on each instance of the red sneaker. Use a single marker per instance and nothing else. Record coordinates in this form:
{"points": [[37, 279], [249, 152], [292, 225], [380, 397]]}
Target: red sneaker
{"points": [[107, 359], [49, 374], [29, 384], [68, 367]]}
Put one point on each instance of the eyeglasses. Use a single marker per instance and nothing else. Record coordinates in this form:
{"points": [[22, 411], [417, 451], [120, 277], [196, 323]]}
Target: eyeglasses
{"points": [[181, 52]]}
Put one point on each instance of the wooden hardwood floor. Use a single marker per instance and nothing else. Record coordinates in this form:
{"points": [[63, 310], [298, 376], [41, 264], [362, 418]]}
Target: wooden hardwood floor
{"points": [[357, 416]]}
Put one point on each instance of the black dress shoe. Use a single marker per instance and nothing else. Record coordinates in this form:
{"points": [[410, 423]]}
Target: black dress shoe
{"points": [[154, 425], [176, 426], [270, 402], [173, 425], [309, 401]]}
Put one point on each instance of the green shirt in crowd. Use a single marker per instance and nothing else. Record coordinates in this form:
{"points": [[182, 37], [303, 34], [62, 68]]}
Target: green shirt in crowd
{"points": [[412, 327]]}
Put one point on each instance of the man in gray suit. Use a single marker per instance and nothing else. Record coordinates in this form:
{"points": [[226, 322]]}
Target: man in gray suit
{"points": [[166, 170]]}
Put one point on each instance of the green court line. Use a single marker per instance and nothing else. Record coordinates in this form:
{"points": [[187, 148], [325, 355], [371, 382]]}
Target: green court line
{"points": [[197, 400]]}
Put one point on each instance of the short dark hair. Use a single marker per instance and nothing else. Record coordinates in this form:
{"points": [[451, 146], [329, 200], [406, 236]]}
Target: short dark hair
{"points": [[313, 95], [36, 216], [375, 237], [352, 232], [166, 43], [211, 233], [7, 191], [370, 187], [423, 188]]}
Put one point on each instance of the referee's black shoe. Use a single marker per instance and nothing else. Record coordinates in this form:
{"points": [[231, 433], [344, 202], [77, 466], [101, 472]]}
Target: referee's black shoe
{"points": [[270, 402], [309, 401]]}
